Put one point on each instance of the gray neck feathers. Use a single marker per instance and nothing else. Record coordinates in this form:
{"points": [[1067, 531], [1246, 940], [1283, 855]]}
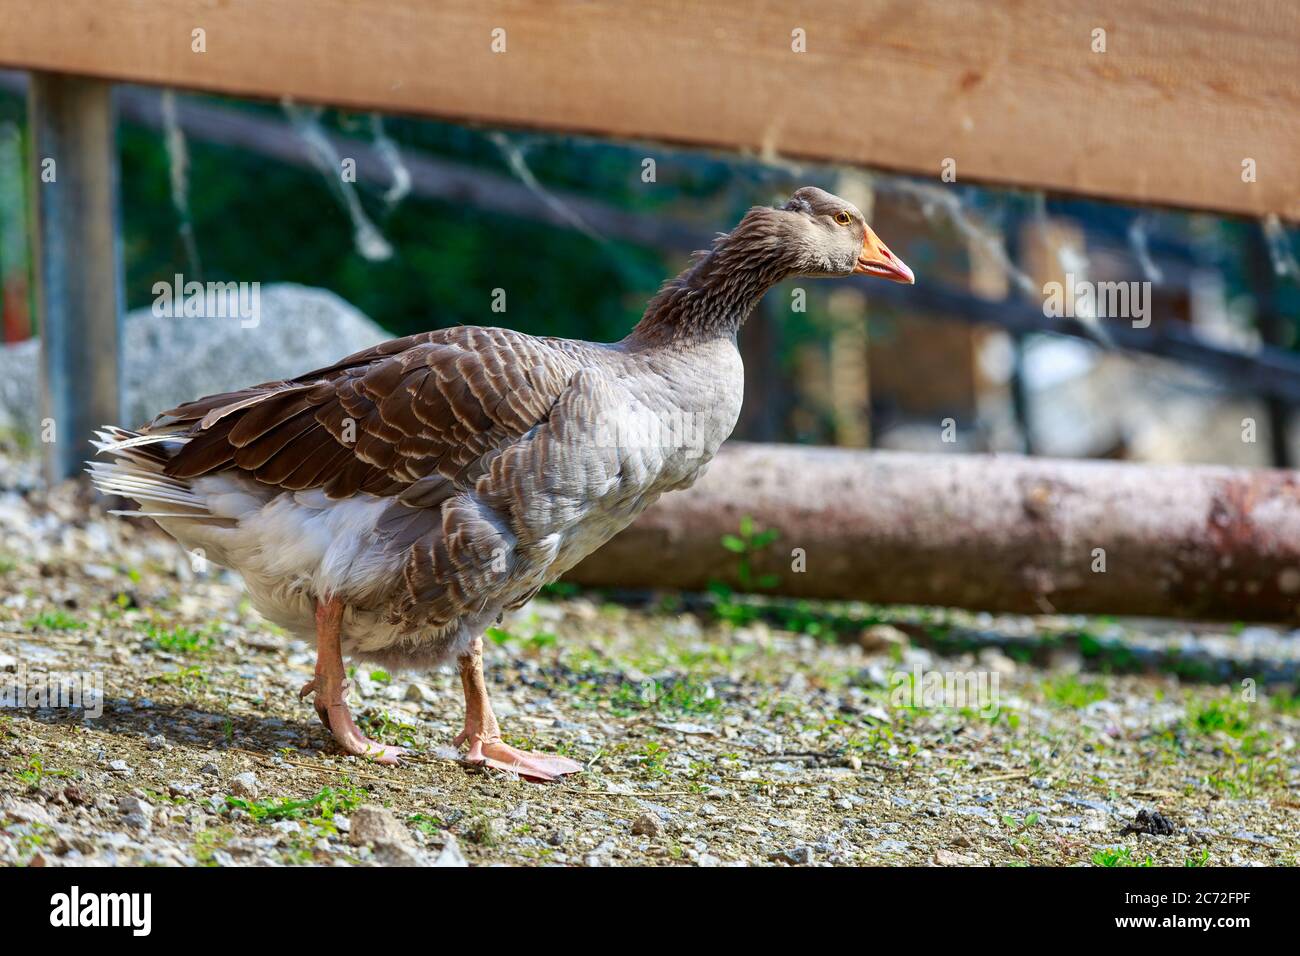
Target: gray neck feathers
{"points": [[713, 296]]}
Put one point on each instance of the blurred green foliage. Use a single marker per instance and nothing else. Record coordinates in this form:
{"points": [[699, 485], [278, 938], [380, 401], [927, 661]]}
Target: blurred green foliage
{"points": [[255, 219]]}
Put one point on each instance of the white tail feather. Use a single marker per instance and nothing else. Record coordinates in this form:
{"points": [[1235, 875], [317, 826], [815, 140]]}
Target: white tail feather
{"points": [[139, 475]]}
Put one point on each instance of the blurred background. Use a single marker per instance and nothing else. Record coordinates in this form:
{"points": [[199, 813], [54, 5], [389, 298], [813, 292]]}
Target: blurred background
{"points": [[441, 214]]}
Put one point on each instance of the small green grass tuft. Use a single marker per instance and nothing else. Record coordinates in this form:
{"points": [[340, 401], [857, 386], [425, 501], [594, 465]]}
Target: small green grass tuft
{"points": [[319, 810], [1119, 856], [1225, 715], [56, 620], [33, 773], [1069, 691], [480, 829], [177, 640]]}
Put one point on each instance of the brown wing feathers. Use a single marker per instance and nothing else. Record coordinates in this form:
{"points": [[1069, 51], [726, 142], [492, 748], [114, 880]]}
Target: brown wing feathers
{"points": [[380, 420]]}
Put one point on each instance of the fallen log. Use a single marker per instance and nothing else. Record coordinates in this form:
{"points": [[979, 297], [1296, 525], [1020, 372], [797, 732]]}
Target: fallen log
{"points": [[986, 532]]}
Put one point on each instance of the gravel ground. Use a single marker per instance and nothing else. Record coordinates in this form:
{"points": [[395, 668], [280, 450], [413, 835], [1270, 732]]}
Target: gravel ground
{"points": [[712, 737]]}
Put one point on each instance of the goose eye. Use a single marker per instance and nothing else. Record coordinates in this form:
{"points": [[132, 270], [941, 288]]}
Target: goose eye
{"points": [[843, 218]]}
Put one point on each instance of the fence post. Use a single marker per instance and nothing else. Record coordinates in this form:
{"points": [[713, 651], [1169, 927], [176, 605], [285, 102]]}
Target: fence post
{"points": [[77, 262]]}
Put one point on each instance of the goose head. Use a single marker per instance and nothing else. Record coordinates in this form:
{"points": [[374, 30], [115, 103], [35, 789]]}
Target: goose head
{"points": [[826, 236], [814, 234]]}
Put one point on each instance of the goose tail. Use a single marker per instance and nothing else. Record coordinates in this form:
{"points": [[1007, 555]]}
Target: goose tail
{"points": [[136, 470]]}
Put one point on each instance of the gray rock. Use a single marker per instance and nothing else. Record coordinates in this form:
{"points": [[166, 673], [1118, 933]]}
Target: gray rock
{"points": [[646, 825], [893, 846], [949, 858], [1073, 801], [245, 785], [375, 824], [399, 854], [172, 360], [134, 806], [25, 811], [420, 693], [450, 855], [795, 856], [1094, 821], [882, 638]]}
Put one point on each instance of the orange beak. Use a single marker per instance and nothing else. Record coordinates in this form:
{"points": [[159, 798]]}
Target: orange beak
{"points": [[875, 259]]}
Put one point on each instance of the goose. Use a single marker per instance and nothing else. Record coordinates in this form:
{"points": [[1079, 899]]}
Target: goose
{"points": [[394, 505]]}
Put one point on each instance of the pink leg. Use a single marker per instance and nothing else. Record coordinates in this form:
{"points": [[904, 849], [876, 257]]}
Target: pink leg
{"points": [[484, 735], [331, 687]]}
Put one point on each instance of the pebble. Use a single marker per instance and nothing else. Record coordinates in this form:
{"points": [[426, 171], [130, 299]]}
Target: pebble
{"points": [[1095, 822], [134, 806], [399, 854], [450, 855], [795, 856], [996, 661], [24, 811], [245, 785], [881, 639], [420, 693], [646, 825], [376, 824], [949, 858], [1087, 804]]}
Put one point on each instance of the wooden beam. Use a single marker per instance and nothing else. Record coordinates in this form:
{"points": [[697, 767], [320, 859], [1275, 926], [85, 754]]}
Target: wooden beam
{"points": [[1014, 93], [77, 263]]}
